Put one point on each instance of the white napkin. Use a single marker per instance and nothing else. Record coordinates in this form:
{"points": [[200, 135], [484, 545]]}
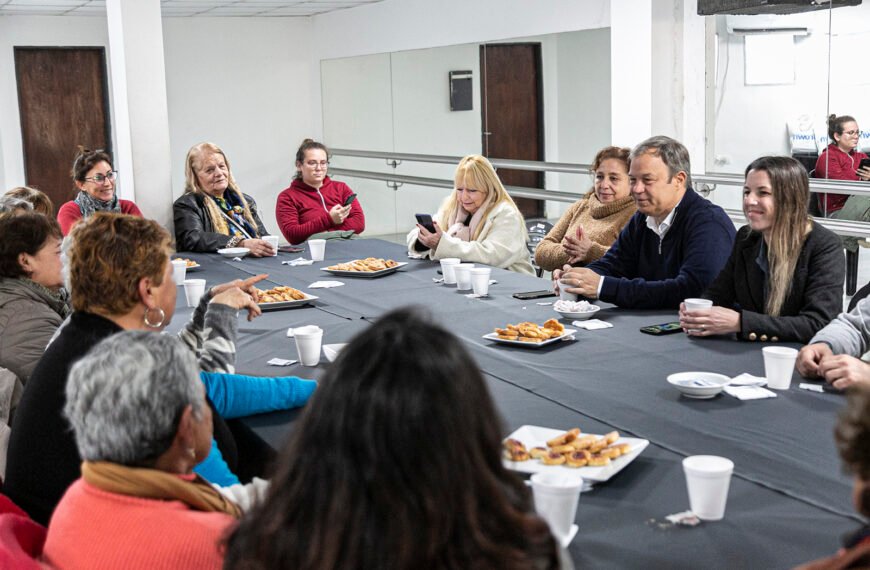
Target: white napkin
{"points": [[475, 296], [298, 261], [438, 279], [748, 380], [749, 392], [416, 255], [237, 259], [592, 324], [281, 361], [545, 303], [325, 284]]}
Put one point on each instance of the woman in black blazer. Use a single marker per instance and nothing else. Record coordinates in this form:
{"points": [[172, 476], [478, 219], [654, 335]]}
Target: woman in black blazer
{"points": [[784, 279]]}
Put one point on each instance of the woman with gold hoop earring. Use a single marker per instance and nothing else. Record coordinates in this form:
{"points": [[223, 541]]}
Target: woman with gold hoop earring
{"points": [[120, 278]]}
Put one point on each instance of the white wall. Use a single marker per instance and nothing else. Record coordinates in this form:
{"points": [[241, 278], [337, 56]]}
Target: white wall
{"points": [[242, 83], [33, 31]]}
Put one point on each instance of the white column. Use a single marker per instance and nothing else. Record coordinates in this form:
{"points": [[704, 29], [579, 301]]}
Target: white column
{"points": [[141, 118], [631, 71]]}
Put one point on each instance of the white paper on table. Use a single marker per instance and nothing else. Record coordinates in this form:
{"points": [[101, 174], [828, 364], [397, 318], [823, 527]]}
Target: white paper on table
{"points": [[438, 279], [236, 259], [416, 255], [298, 261], [476, 296], [281, 361], [748, 380], [592, 324], [325, 284], [749, 392], [545, 303]]}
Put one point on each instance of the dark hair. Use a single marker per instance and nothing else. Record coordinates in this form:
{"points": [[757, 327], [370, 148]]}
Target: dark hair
{"points": [[108, 255], [612, 152], [835, 124], [25, 233], [39, 200], [396, 464], [86, 159], [672, 152], [308, 144], [853, 432]]}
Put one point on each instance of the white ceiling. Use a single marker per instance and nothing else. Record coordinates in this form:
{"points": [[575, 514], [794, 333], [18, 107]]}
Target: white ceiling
{"points": [[184, 8]]}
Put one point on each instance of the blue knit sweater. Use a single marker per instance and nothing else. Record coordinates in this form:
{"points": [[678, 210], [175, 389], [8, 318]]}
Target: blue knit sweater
{"points": [[642, 271]]}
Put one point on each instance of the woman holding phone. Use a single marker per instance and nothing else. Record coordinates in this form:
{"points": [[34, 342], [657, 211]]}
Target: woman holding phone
{"points": [[314, 203]]}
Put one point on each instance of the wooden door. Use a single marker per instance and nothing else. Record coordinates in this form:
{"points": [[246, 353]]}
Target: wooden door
{"points": [[63, 102], [512, 112]]}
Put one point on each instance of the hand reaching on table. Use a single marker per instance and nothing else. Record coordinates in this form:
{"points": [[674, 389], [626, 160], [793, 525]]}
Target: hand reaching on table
{"points": [[237, 299], [579, 280], [843, 559], [716, 320], [842, 371], [809, 358], [258, 247]]}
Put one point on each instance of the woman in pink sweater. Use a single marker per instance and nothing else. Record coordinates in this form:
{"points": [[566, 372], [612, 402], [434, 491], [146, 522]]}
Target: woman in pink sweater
{"points": [[141, 422], [314, 203]]}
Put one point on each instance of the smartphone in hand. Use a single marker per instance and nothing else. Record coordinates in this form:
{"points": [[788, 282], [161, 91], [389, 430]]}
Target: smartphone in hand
{"points": [[349, 200], [425, 220]]}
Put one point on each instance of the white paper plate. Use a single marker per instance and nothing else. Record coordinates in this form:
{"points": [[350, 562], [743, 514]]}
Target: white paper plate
{"points": [[536, 436], [277, 305], [568, 334], [367, 274]]}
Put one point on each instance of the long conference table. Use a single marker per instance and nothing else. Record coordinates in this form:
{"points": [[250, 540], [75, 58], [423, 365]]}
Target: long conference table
{"points": [[789, 500]]}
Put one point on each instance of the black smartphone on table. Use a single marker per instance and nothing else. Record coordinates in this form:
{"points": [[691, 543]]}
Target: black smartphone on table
{"points": [[425, 220], [527, 295], [291, 249], [664, 328], [350, 200]]}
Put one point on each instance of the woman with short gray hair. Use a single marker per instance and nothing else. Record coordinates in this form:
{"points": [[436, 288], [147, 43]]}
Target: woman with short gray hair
{"points": [[141, 423]]}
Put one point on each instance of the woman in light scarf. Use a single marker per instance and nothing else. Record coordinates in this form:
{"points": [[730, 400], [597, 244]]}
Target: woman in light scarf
{"points": [[478, 222]]}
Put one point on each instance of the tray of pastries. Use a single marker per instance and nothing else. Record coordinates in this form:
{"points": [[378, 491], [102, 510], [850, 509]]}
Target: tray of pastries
{"points": [[531, 335], [596, 457], [191, 264], [282, 297], [368, 267]]}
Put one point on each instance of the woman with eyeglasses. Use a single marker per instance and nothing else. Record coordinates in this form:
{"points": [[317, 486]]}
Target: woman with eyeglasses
{"points": [[213, 213], [842, 161], [94, 178], [316, 204], [478, 222]]}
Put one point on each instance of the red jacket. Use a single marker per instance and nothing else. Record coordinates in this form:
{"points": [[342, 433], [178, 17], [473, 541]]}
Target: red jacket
{"points": [[302, 211], [835, 164], [69, 213]]}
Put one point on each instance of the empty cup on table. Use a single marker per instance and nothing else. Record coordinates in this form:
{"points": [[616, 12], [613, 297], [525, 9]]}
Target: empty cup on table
{"points": [[480, 280], [707, 480], [179, 270], [194, 289], [778, 366], [273, 242], [556, 496], [317, 248], [308, 341], [564, 295], [447, 266], [463, 276]]}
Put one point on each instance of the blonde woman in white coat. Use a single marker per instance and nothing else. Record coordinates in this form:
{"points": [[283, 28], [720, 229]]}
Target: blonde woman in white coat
{"points": [[477, 223]]}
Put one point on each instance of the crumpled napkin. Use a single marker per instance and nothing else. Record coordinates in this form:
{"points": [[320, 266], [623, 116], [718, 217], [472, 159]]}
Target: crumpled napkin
{"points": [[298, 261], [416, 255], [325, 284], [281, 361], [592, 324], [748, 380]]}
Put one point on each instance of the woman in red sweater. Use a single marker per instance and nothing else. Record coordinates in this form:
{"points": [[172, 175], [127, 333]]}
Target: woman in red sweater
{"points": [[314, 203], [94, 177]]}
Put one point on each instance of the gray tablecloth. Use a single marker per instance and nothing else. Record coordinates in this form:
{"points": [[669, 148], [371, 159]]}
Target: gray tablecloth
{"points": [[789, 500]]}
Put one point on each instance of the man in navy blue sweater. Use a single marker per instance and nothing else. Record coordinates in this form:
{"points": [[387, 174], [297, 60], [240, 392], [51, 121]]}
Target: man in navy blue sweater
{"points": [[671, 249]]}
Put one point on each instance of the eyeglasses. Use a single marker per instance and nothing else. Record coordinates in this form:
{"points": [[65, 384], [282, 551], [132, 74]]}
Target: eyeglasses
{"points": [[851, 133], [315, 164], [99, 178]]}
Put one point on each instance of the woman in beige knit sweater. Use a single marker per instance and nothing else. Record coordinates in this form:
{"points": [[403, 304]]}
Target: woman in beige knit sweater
{"points": [[585, 232]]}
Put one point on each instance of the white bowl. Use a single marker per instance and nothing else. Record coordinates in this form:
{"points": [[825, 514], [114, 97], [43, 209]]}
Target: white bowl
{"points": [[579, 316], [700, 385], [234, 252], [331, 350]]}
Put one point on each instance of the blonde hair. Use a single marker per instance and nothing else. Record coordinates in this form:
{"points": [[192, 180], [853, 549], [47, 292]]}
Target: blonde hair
{"points": [[791, 224], [476, 172], [191, 184]]}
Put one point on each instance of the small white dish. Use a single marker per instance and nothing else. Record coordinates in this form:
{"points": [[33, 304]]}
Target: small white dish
{"points": [[581, 316], [699, 385], [232, 252], [331, 350]]}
